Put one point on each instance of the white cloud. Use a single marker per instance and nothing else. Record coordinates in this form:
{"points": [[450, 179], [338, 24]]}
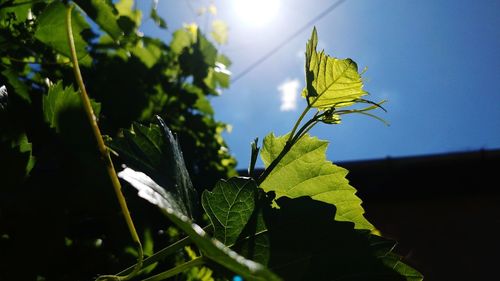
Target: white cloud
{"points": [[289, 91]]}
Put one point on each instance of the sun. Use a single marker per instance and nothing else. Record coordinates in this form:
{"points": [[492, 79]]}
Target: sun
{"points": [[256, 13]]}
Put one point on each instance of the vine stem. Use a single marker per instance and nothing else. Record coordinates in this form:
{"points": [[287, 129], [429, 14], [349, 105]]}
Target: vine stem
{"points": [[103, 149], [165, 252], [298, 122], [176, 270], [288, 145]]}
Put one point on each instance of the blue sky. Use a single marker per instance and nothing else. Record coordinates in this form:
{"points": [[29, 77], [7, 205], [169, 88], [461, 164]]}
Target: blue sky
{"points": [[437, 62]]}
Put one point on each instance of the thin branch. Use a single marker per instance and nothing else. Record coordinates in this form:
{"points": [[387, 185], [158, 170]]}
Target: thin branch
{"points": [[103, 149]]}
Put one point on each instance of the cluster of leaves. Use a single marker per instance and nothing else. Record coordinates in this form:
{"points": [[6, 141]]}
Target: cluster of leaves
{"points": [[55, 199], [299, 220]]}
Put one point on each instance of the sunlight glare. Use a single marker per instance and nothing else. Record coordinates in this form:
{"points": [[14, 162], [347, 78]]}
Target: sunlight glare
{"points": [[256, 13]]}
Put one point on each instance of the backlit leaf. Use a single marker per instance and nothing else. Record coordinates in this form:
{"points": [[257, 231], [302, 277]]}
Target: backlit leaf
{"points": [[229, 206], [148, 53], [51, 29], [304, 171], [180, 40], [330, 82], [219, 31], [60, 99]]}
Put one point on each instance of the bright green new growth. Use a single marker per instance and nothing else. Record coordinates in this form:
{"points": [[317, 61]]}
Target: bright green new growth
{"points": [[330, 82], [304, 171], [60, 99]]}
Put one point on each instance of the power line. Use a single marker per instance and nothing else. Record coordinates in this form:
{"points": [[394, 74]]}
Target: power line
{"points": [[287, 40]]}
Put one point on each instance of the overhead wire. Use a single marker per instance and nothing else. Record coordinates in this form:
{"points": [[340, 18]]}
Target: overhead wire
{"points": [[287, 40]]}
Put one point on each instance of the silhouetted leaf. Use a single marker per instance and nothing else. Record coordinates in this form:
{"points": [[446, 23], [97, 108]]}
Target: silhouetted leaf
{"points": [[304, 171], [210, 247], [160, 22], [155, 151], [306, 244], [19, 87], [60, 99], [104, 14], [129, 18]]}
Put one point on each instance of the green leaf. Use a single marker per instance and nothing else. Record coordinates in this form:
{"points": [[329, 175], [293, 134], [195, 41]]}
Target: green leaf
{"points": [[19, 87], [229, 206], [384, 249], [60, 99], [17, 160], [24, 147], [394, 261], [205, 49], [52, 31], [304, 171], [210, 247], [19, 11], [155, 151], [159, 21], [147, 53], [180, 40], [330, 82], [219, 31], [306, 244], [104, 14], [129, 18]]}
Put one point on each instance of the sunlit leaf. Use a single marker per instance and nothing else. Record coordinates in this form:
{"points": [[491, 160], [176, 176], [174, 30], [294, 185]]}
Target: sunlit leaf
{"points": [[304, 171], [129, 18], [220, 31], [147, 53], [154, 193], [330, 82], [210, 247], [59, 100], [180, 40], [52, 30]]}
